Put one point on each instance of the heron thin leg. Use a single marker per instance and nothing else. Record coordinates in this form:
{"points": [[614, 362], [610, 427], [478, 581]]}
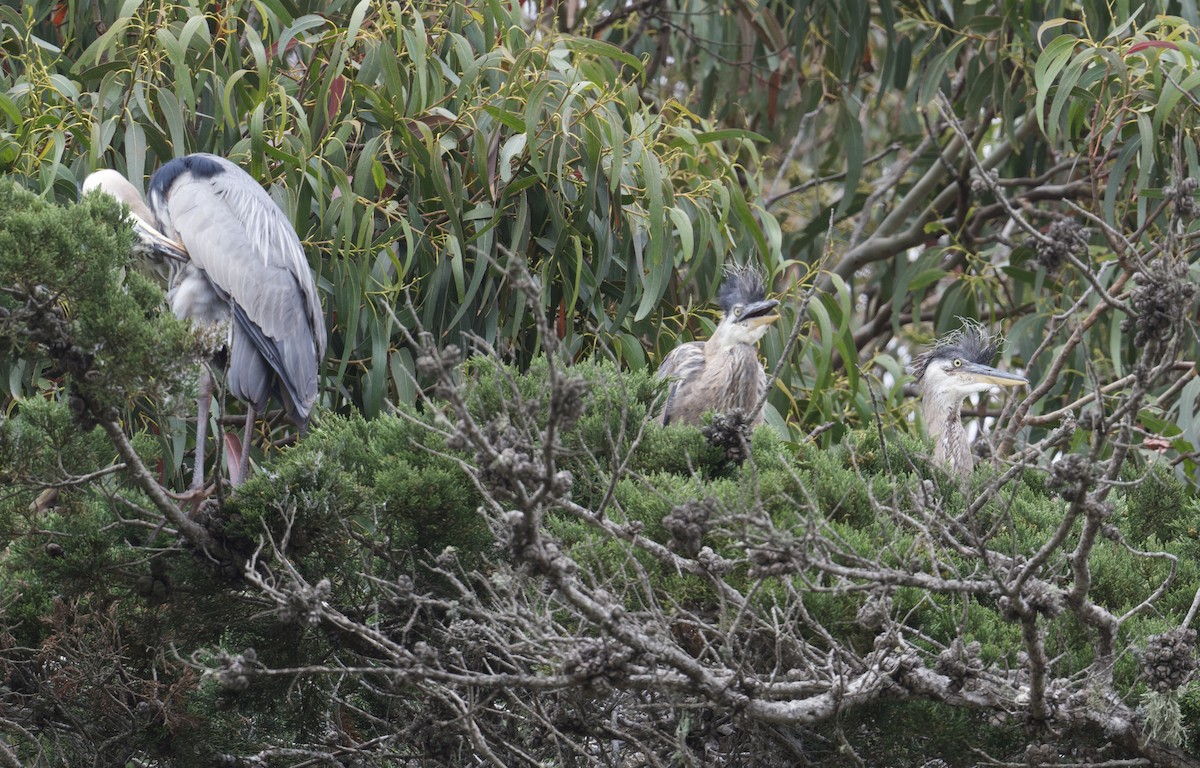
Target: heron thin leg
{"points": [[243, 465], [205, 402]]}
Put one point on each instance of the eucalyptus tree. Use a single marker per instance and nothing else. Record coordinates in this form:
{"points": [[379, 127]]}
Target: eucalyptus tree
{"points": [[519, 568]]}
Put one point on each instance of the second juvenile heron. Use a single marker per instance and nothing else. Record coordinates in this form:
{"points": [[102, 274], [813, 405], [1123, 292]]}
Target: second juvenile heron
{"points": [[722, 374], [957, 366]]}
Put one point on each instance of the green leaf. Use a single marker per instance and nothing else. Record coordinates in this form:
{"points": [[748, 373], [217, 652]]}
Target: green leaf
{"points": [[683, 229], [378, 175], [926, 278], [104, 43], [296, 29], [1049, 64], [1050, 24], [173, 114], [730, 134], [10, 110], [1066, 86], [657, 269], [601, 49], [931, 83], [512, 148], [1146, 161], [851, 134]]}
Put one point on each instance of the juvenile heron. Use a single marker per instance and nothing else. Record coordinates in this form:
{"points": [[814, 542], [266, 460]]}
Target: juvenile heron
{"points": [[237, 263], [722, 374], [957, 366]]}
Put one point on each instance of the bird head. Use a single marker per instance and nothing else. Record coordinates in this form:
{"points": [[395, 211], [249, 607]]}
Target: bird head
{"points": [[157, 246], [115, 185], [746, 312], [960, 365]]}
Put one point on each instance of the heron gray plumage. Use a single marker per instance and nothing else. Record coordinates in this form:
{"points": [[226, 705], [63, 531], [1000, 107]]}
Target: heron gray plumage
{"points": [[722, 374], [957, 366], [239, 265]]}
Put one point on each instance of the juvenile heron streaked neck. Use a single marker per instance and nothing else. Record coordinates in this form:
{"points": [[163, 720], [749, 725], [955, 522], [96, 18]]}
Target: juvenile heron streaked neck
{"points": [[237, 264], [957, 366], [722, 374]]}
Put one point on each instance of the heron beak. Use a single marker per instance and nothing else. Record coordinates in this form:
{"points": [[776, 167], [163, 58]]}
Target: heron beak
{"points": [[986, 374], [760, 313], [161, 245]]}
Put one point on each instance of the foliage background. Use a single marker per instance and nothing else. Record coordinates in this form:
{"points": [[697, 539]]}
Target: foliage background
{"points": [[1028, 165]]}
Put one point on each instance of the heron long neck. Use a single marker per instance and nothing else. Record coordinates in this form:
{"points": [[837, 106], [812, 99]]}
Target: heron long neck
{"points": [[733, 373], [943, 420]]}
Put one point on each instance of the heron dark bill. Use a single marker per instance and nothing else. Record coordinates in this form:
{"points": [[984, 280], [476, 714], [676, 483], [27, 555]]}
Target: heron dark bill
{"points": [[159, 255]]}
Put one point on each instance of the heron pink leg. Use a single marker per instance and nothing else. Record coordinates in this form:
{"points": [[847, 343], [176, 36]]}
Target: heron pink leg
{"points": [[206, 389]]}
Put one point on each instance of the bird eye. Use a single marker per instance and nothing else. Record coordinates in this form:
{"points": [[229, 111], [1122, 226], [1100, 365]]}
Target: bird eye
{"points": [[957, 363], [737, 310]]}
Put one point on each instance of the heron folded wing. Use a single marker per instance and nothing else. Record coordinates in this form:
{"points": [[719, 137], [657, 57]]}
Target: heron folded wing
{"points": [[254, 356], [678, 367], [249, 375], [273, 237], [245, 231]]}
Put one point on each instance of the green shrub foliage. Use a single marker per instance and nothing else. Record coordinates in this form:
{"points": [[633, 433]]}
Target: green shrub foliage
{"points": [[69, 294], [385, 524]]}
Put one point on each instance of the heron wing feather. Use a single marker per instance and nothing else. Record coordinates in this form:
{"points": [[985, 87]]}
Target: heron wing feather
{"points": [[250, 380], [678, 368]]}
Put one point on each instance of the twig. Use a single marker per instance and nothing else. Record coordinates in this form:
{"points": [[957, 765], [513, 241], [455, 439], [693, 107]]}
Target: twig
{"points": [[144, 480]]}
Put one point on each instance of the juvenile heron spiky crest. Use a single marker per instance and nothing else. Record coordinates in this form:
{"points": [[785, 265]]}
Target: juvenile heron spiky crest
{"points": [[722, 374], [957, 366]]}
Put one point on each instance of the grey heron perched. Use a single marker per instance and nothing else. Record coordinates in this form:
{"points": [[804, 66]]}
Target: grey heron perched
{"points": [[722, 374], [957, 366], [237, 263]]}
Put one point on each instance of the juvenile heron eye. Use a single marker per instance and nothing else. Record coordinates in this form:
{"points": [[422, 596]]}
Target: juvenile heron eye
{"points": [[737, 310], [957, 363]]}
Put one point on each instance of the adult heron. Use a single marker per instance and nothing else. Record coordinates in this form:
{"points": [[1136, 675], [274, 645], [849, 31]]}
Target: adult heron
{"points": [[237, 263], [959, 365], [722, 374]]}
